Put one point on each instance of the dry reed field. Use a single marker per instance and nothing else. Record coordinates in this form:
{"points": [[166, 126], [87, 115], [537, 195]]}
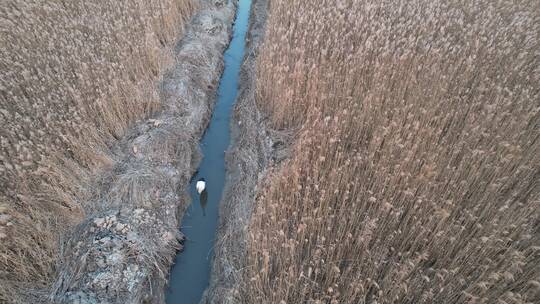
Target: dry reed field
{"points": [[74, 75], [415, 175]]}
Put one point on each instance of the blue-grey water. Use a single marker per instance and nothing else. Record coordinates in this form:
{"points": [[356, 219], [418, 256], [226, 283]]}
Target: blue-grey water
{"points": [[191, 271]]}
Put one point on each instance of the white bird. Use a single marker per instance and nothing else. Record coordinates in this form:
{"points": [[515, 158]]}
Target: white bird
{"points": [[201, 185]]}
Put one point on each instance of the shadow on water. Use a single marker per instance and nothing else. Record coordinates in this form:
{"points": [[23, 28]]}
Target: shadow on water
{"points": [[191, 271], [203, 200]]}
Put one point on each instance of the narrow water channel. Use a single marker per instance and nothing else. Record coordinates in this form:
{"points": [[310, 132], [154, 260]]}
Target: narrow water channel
{"points": [[191, 271]]}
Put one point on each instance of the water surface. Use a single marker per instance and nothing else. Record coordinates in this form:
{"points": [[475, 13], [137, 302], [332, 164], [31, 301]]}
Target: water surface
{"points": [[191, 271]]}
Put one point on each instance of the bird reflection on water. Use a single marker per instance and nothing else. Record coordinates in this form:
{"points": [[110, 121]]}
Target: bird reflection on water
{"points": [[203, 199]]}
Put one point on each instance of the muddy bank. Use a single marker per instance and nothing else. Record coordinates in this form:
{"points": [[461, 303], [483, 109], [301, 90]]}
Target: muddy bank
{"points": [[122, 252], [254, 148]]}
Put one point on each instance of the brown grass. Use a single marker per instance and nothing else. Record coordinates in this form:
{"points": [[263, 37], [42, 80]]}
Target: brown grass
{"points": [[74, 76], [414, 178]]}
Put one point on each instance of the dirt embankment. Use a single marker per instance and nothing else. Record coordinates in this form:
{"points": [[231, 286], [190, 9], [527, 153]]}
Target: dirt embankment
{"points": [[123, 251], [74, 77], [254, 148]]}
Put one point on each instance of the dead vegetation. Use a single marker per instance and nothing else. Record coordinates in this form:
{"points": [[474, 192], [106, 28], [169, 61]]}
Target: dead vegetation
{"points": [[248, 156], [74, 76], [414, 178], [123, 251]]}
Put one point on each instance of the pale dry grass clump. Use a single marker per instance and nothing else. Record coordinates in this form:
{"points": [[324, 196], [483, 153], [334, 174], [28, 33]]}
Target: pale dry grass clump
{"points": [[414, 178], [74, 76]]}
